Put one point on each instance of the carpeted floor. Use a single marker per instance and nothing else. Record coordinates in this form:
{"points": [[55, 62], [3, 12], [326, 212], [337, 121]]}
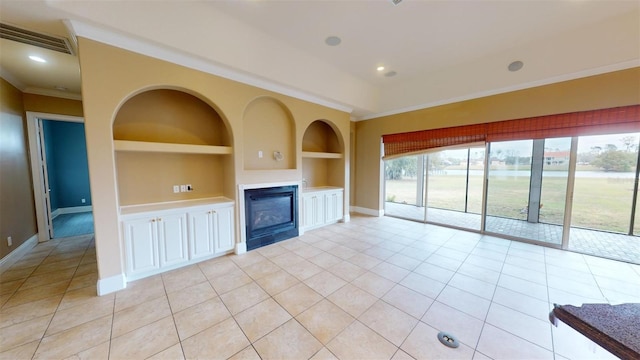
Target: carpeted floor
{"points": [[67, 225]]}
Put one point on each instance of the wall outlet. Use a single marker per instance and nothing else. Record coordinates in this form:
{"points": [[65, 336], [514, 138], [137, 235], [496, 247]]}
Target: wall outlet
{"points": [[176, 189], [183, 188], [83, 201], [189, 188], [9, 241], [260, 154]]}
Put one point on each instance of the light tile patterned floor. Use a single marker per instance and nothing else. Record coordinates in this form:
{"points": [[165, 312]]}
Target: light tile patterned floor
{"points": [[374, 288], [586, 241]]}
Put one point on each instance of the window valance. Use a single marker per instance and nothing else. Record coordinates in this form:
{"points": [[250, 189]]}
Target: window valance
{"points": [[594, 122]]}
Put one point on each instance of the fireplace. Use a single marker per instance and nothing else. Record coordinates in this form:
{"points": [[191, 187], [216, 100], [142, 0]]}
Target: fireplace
{"points": [[271, 215]]}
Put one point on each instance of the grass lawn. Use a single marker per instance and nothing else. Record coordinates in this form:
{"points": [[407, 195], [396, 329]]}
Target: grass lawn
{"points": [[598, 203]]}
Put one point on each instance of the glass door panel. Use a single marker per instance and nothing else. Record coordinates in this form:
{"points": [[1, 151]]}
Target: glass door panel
{"points": [[404, 187], [509, 177], [605, 176], [454, 187], [555, 176]]}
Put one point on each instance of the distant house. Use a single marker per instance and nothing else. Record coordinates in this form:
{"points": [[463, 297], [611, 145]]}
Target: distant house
{"points": [[556, 157]]}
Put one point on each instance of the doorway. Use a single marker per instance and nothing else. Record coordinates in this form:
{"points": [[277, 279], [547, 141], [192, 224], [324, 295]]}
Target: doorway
{"points": [[60, 175]]}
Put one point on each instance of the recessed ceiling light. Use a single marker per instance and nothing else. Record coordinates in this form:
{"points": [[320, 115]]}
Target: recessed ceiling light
{"points": [[333, 41], [37, 59], [515, 66], [391, 73], [380, 68]]}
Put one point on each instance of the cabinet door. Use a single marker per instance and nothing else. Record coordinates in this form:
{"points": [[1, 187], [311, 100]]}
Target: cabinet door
{"points": [[333, 206], [172, 239], [141, 246], [224, 240], [201, 234], [307, 211]]}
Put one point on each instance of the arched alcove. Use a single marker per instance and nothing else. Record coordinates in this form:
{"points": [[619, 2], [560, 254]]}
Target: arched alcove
{"points": [[269, 136], [322, 155], [167, 137]]}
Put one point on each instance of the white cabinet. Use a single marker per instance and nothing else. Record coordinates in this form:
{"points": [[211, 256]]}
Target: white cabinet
{"points": [[321, 207], [158, 239], [333, 202], [312, 210], [211, 231], [141, 246], [153, 242]]}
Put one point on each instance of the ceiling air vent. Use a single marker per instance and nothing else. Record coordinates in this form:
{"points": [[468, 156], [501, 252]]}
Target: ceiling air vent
{"points": [[49, 42]]}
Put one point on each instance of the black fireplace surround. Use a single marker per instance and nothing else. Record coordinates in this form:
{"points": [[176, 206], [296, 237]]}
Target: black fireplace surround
{"points": [[271, 215]]}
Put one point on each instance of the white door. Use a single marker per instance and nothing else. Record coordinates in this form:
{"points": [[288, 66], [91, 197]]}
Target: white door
{"points": [[333, 206], [317, 202], [140, 236], [223, 218], [201, 232], [45, 177], [172, 239]]}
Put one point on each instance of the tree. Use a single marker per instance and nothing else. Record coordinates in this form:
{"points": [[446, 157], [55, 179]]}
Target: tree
{"points": [[615, 160], [630, 142], [397, 168]]}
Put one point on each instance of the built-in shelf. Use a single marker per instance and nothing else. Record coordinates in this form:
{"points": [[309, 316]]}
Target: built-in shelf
{"points": [[321, 155], [144, 146]]}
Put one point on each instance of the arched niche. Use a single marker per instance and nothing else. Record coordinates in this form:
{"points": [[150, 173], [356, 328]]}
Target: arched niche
{"points": [[269, 129], [170, 116], [168, 137], [323, 161], [321, 137]]}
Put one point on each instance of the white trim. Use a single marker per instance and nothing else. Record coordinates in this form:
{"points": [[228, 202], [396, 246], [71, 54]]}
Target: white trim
{"points": [[367, 211], [346, 218], [71, 210], [55, 213], [139, 46], [111, 284], [19, 252], [241, 248], [36, 166], [547, 81]]}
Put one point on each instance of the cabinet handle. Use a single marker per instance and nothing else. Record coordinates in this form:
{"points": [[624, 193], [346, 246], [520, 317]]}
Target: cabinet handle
{"points": [[214, 211], [159, 219], [153, 220]]}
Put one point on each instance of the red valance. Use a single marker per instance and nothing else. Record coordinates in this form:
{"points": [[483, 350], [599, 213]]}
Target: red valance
{"points": [[594, 122]]}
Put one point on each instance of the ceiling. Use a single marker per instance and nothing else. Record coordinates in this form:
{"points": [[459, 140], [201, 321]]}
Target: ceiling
{"points": [[440, 51]]}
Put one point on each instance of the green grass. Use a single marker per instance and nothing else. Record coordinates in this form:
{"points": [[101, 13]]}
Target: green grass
{"points": [[598, 203]]}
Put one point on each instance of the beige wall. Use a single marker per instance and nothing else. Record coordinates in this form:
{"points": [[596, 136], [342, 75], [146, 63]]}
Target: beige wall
{"points": [[17, 212], [111, 75], [596, 92], [52, 105]]}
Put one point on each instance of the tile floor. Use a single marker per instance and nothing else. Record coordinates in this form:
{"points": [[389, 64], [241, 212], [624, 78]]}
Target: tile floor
{"points": [[374, 288], [592, 242]]}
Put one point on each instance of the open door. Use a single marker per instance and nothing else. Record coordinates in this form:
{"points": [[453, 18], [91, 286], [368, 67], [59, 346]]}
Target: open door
{"points": [[42, 195], [46, 191]]}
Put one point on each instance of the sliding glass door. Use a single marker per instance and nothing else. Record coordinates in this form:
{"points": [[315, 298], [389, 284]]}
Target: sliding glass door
{"points": [[454, 191]]}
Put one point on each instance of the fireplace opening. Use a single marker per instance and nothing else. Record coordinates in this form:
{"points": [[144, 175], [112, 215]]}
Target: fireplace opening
{"points": [[271, 215]]}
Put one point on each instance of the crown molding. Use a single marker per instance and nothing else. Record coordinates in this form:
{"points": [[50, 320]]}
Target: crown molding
{"points": [[52, 93], [143, 47]]}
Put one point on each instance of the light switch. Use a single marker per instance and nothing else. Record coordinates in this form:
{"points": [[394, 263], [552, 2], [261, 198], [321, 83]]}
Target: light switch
{"points": [[260, 154], [176, 188]]}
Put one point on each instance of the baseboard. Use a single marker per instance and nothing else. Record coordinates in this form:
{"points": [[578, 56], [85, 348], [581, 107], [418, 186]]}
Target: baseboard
{"points": [[346, 218], [55, 213], [73, 210], [241, 248], [19, 252], [367, 211], [111, 284]]}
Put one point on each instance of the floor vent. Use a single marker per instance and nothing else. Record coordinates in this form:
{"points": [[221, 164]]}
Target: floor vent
{"points": [[49, 42]]}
